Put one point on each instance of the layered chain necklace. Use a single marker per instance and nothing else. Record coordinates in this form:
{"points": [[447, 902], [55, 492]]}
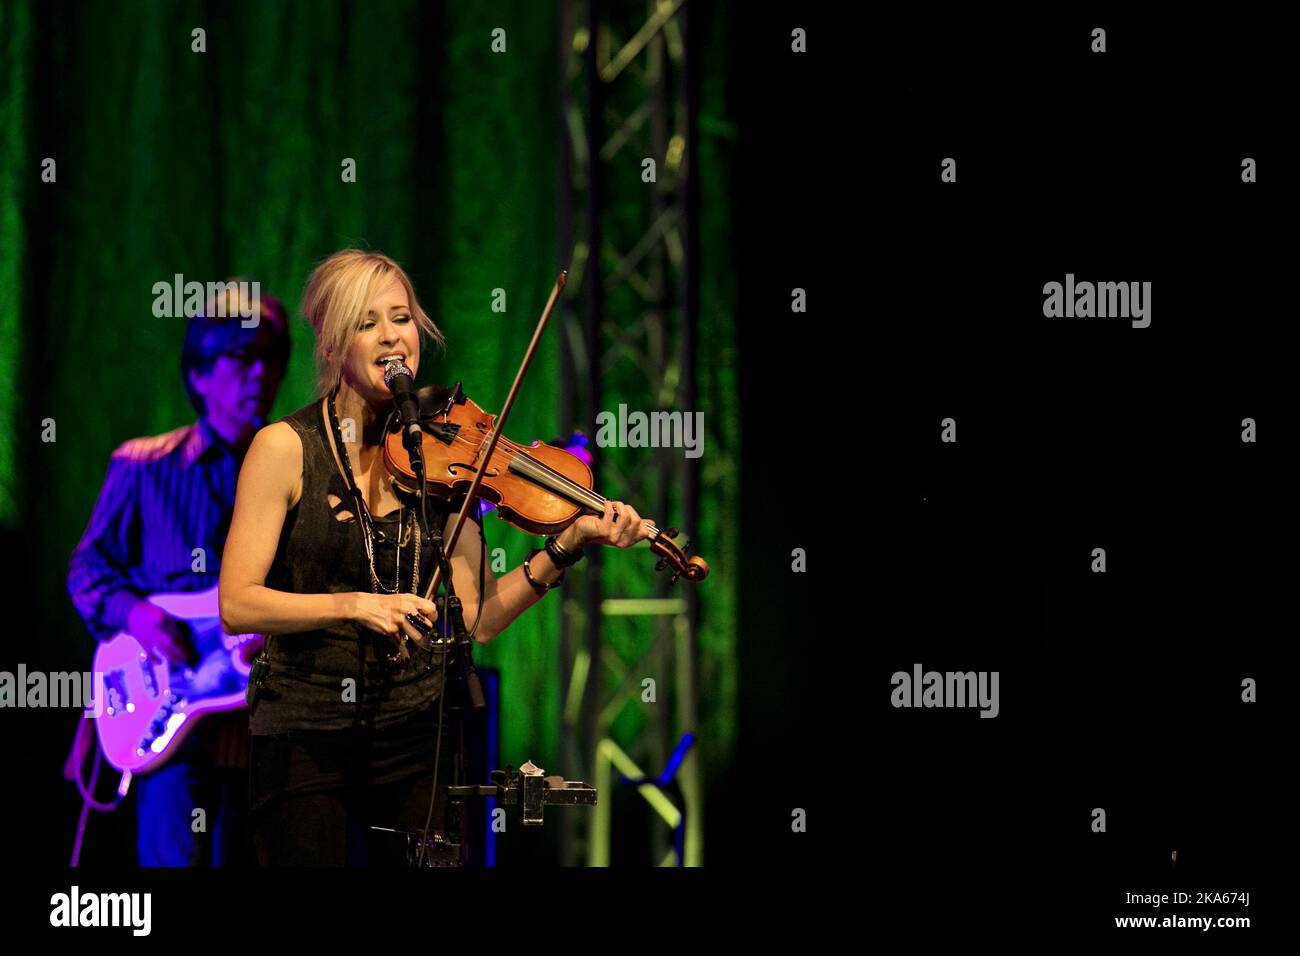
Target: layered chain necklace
{"points": [[367, 525]]}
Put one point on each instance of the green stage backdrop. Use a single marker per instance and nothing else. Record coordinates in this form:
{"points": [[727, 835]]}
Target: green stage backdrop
{"points": [[228, 162]]}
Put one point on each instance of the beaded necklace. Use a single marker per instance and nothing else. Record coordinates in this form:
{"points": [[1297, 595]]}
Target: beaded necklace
{"points": [[367, 524]]}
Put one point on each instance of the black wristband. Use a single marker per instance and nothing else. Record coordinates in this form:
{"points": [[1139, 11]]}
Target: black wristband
{"points": [[560, 557]]}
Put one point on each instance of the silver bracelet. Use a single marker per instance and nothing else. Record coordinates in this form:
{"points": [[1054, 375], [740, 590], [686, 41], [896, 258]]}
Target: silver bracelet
{"points": [[538, 586]]}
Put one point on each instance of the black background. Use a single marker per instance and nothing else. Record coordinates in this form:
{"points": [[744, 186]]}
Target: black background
{"points": [[1120, 690]]}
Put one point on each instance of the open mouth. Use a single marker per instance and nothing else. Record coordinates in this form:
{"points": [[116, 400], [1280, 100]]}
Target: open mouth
{"points": [[381, 362]]}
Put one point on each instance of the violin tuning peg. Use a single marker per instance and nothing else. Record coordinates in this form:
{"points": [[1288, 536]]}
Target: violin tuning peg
{"points": [[671, 532]]}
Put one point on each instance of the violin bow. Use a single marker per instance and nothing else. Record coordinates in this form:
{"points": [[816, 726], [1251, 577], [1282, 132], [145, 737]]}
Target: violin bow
{"points": [[497, 432]]}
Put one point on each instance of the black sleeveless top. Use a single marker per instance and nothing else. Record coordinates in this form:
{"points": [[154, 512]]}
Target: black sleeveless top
{"points": [[300, 681]]}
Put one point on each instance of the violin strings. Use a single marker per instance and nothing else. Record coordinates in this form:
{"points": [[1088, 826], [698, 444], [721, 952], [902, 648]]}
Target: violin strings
{"points": [[518, 450], [533, 462]]}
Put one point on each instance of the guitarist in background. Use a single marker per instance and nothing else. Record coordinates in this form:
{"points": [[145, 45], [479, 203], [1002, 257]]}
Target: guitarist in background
{"points": [[164, 496]]}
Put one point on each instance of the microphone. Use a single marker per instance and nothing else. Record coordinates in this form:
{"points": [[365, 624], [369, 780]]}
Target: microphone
{"points": [[401, 383]]}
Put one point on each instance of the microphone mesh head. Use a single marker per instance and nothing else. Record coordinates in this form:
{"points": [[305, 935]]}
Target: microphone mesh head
{"points": [[393, 369]]}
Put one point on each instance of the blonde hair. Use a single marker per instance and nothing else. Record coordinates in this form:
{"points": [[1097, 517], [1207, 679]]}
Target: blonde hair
{"points": [[334, 302]]}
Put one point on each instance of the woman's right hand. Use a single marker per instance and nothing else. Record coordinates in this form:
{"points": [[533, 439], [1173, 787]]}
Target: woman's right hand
{"points": [[386, 613]]}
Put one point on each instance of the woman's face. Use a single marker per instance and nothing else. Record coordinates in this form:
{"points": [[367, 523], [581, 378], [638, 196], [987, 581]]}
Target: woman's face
{"points": [[388, 329]]}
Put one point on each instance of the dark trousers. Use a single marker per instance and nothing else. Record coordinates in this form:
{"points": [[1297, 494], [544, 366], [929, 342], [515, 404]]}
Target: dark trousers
{"points": [[315, 794]]}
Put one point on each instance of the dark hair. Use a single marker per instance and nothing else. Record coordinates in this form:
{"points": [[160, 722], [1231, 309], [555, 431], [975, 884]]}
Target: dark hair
{"points": [[211, 334]]}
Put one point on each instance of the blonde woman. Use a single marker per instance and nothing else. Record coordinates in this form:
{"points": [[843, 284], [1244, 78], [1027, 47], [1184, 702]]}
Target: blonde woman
{"points": [[325, 556]]}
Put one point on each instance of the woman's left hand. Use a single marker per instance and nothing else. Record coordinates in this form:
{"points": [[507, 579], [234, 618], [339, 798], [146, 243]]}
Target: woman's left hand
{"points": [[621, 532]]}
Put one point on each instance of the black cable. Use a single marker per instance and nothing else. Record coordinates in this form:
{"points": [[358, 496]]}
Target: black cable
{"points": [[442, 687]]}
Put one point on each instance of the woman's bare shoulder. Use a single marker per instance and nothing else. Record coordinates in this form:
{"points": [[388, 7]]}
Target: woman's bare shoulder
{"points": [[278, 443], [274, 462]]}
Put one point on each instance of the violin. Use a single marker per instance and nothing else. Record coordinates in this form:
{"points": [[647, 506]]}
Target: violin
{"points": [[538, 488]]}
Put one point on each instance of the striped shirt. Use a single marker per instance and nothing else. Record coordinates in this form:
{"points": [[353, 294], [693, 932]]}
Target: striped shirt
{"points": [[162, 498]]}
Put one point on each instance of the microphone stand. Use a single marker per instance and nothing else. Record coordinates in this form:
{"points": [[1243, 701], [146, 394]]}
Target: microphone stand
{"points": [[471, 688], [450, 612]]}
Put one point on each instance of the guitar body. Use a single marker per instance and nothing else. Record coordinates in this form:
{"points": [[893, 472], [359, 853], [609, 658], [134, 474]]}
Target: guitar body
{"points": [[150, 707]]}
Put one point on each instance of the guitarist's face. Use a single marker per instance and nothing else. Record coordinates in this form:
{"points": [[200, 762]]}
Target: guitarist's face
{"points": [[240, 389]]}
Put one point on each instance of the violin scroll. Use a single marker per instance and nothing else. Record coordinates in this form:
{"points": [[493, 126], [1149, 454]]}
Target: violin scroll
{"points": [[695, 568]]}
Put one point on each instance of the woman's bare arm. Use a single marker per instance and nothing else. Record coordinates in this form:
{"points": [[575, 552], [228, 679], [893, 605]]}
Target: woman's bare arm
{"points": [[502, 600], [266, 485]]}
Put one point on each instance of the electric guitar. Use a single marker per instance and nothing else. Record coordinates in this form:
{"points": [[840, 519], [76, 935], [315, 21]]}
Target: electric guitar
{"points": [[149, 707]]}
